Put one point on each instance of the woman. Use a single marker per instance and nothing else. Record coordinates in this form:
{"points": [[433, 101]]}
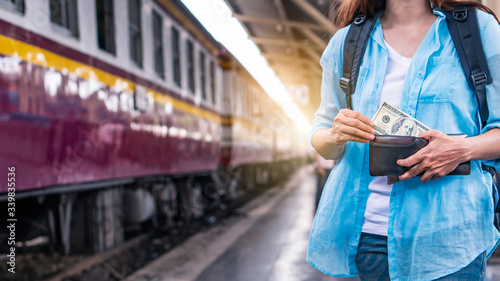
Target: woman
{"points": [[422, 228]]}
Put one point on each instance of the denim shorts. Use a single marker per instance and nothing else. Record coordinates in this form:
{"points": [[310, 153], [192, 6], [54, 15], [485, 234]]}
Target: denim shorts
{"points": [[373, 265]]}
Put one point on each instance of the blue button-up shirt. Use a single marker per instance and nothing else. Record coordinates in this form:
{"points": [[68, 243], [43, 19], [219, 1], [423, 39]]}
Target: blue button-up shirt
{"points": [[435, 228]]}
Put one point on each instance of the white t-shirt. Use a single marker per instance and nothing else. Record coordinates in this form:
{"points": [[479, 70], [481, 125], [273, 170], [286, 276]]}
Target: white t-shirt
{"points": [[377, 206]]}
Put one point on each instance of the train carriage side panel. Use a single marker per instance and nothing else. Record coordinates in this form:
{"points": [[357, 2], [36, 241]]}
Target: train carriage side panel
{"points": [[73, 117]]}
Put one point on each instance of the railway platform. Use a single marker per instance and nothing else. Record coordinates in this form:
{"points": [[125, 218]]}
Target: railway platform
{"points": [[265, 240]]}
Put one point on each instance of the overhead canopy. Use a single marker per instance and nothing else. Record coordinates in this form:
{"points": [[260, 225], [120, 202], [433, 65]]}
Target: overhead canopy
{"points": [[291, 34]]}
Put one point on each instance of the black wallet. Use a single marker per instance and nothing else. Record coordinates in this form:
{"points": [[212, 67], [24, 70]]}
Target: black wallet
{"points": [[386, 150]]}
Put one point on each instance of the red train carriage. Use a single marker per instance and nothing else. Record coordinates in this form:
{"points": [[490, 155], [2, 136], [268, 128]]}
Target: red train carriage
{"points": [[258, 139], [75, 115]]}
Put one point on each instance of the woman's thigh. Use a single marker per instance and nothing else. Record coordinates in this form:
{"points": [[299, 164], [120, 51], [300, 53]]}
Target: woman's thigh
{"points": [[371, 259]]}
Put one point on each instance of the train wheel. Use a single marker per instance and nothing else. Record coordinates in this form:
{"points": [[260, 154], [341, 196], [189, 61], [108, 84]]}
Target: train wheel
{"points": [[275, 174], [249, 177], [232, 190], [227, 183], [106, 219], [166, 198], [192, 203], [262, 175]]}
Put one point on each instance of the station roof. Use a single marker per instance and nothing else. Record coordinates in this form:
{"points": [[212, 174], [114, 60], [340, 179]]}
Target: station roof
{"points": [[291, 35]]}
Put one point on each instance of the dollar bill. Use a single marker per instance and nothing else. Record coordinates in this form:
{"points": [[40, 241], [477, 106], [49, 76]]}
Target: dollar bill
{"points": [[389, 120]]}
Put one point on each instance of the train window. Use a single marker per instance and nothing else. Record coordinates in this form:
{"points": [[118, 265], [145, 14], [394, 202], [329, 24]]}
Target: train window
{"points": [[105, 25], [190, 66], [241, 96], [176, 56], [13, 5], [249, 102], [256, 106], [212, 81], [134, 24], [64, 14], [244, 99], [203, 76], [158, 44], [236, 94]]}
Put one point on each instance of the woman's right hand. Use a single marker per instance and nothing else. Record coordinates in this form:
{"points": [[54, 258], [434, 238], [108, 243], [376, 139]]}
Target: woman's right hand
{"points": [[350, 125]]}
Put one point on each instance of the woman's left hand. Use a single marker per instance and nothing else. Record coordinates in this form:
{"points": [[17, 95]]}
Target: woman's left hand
{"points": [[437, 159]]}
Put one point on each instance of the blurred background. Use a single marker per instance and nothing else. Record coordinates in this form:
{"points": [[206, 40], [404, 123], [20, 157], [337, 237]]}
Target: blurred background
{"points": [[160, 139]]}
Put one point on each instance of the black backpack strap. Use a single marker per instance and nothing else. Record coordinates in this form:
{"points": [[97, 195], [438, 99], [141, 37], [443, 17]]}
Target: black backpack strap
{"points": [[354, 49], [464, 30]]}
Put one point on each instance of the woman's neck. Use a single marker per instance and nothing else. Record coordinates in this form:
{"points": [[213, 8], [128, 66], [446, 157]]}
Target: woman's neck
{"points": [[407, 12], [405, 24]]}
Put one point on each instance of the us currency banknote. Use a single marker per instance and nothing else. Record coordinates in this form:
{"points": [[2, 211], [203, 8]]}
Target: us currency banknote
{"points": [[389, 120]]}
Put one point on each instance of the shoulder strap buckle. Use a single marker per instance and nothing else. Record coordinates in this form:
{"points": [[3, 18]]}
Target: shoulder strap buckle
{"points": [[345, 85], [479, 80], [460, 13], [359, 19]]}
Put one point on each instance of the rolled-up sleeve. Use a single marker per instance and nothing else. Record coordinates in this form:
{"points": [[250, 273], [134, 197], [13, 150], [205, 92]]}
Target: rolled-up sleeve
{"points": [[490, 35], [331, 62]]}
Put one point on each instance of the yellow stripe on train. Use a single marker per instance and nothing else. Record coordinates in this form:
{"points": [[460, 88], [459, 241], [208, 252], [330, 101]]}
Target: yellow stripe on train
{"points": [[45, 58]]}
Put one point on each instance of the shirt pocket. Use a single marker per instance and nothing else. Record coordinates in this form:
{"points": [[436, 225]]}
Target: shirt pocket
{"points": [[440, 79]]}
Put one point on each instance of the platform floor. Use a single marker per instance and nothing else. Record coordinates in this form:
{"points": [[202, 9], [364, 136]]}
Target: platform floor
{"points": [[266, 241]]}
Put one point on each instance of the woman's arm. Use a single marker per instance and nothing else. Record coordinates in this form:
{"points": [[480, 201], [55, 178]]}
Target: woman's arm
{"points": [[326, 150], [485, 146], [333, 126], [348, 125], [444, 153]]}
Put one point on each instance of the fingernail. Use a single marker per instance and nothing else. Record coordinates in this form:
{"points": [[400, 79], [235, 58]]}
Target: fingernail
{"points": [[372, 137], [371, 123], [373, 131]]}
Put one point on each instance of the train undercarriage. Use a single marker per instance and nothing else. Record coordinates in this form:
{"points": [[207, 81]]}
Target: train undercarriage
{"points": [[95, 217]]}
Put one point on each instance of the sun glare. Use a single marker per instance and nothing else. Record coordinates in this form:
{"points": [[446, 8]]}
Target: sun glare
{"points": [[217, 18]]}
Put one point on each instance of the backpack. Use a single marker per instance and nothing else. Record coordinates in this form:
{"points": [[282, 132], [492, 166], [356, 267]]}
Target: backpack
{"points": [[464, 30]]}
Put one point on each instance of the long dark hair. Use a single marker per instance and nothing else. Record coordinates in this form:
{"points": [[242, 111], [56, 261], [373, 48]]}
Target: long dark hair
{"points": [[343, 13]]}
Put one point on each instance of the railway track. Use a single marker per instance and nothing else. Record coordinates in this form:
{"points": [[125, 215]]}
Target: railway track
{"points": [[101, 258]]}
